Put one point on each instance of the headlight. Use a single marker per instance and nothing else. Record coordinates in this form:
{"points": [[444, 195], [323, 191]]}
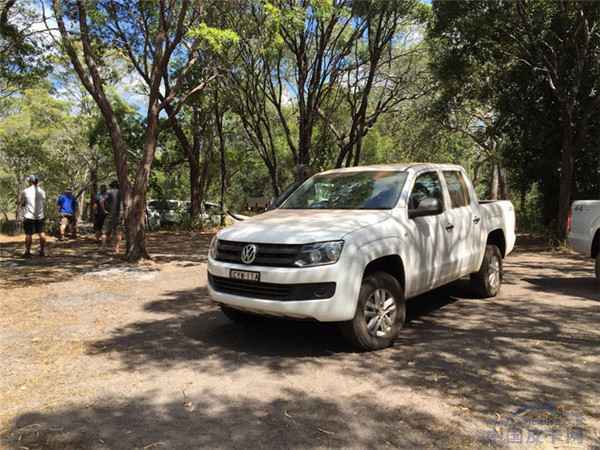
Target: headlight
{"points": [[319, 254], [212, 248]]}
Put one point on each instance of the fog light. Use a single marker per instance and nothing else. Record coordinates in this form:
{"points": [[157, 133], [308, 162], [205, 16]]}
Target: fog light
{"points": [[321, 293]]}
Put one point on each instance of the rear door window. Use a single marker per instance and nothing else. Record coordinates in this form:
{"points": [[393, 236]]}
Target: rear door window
{"points": [[457, 188]]}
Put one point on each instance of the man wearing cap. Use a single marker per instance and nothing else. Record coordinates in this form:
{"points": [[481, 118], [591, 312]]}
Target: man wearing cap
{"points": [[67, 210], [32, 204]]}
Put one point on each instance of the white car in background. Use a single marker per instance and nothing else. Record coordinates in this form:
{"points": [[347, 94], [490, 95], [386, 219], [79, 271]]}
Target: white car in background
{"points": [[584, 230], [166, 212], [351, 245]]}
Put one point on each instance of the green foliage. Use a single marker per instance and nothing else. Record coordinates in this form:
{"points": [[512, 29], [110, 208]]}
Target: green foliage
{"points": [[215, 38], [472, 70], [23, 49], [528, 62], [39, 136]]}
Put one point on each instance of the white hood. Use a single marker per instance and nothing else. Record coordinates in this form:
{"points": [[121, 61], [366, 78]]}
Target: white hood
{"points": [[293, 226]]}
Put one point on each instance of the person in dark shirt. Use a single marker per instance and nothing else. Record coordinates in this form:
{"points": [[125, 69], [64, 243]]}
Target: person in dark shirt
{"points": [[112, 227], [99, 212], [67, 210]]}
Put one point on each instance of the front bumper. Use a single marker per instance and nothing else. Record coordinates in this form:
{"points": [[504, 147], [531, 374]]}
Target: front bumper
{"points": [[340, 307]]}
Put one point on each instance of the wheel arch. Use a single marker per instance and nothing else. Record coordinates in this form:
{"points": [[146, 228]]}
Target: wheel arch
{"points": [[497, 238], [596, 244], [391, 264]]}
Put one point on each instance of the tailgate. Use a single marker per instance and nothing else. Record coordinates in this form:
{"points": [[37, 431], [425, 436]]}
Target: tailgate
{"points": [[584, 213]]}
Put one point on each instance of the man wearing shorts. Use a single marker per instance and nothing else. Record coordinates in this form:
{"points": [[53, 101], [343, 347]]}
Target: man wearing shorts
{"points": [[112, 204], [67, 210], [32, 203]]}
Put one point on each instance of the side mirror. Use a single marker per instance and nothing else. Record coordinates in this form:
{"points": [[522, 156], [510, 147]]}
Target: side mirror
{"points": [[427, 207]]}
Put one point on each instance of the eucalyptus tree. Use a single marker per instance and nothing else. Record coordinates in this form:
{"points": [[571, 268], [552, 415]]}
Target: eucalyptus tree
{"points": [[528, 54], [387, 69], [159, 39], [41, 135], [22, 47], [291, 54], [310, 70]]}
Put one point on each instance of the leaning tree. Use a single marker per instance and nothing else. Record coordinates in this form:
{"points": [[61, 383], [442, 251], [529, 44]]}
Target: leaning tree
{"points": [[160, 42]]}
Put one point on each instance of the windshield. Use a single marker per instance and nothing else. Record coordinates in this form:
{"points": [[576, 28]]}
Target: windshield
{"points": [[349, 190]]}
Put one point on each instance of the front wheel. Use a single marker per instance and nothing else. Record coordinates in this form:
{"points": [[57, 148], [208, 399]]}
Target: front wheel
{"points": [[488, 280], [598, 269], [380, 313]]}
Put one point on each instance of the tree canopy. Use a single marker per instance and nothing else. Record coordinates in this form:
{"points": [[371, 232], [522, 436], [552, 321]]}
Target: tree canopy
{"points": [[225, 101]]}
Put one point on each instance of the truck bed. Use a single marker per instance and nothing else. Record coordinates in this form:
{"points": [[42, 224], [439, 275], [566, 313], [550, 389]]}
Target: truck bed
{"points": [[500, 215]]}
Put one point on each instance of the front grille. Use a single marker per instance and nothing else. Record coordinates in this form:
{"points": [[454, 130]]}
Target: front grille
{"points": [[272, 291], [272, 255]]}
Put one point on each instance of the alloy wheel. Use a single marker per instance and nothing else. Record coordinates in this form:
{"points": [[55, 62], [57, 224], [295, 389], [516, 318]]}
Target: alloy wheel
{"points": [[380, 312], [494, 272]]}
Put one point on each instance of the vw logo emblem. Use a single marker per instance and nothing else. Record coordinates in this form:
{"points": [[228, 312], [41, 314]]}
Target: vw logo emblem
{"points": [[248, 254]]}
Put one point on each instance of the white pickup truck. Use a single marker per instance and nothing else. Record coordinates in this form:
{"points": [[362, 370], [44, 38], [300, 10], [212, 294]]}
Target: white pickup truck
{"points": [[584, 230], [351, 245]]}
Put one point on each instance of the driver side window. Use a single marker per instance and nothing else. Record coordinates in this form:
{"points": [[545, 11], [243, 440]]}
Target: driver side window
{"points": [[427, 185]]}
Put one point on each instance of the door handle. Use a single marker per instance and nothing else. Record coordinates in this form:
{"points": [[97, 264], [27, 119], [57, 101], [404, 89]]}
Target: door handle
{"points": [[449, 227], [476, 220]]}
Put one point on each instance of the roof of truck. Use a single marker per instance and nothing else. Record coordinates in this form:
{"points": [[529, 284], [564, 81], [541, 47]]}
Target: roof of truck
{"points": [[397, 167]]}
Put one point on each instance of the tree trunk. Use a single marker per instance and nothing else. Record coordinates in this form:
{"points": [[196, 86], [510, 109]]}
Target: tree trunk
{"points": [[205, 177], [503, 188], [81, 202], [93, 190], [18, 208], [358, 148], [274, 182], [223, 171], [341, 155], [304, 142], [19, 188], [222, 161], [135, 231], [567, 169], [192, 153], [136, 203], [494, 182], [195, 190], [523, 200]]}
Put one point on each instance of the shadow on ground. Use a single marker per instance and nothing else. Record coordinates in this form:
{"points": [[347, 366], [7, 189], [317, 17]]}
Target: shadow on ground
{"points": [[582, 287], [68, 259], [490, 354], [486, 357], [294, 419]]}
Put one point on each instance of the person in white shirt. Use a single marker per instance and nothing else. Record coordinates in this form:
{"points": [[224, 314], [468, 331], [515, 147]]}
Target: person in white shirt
{"points": [[32, 203]]}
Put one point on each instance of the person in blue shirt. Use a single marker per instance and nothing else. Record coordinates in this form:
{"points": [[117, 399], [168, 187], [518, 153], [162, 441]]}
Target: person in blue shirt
{"points": [[67, 210]]}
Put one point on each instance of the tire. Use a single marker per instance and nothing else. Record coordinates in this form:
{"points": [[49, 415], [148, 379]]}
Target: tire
{"points": [[239, 317], [598, 269], [488, 281], [375, 291]]}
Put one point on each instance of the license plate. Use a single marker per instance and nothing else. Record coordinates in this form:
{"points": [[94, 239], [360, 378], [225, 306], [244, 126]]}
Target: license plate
{"points": [[244, 275]]}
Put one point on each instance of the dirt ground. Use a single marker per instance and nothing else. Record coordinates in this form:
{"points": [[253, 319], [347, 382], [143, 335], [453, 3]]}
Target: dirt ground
{"points": [[103, 355]]}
